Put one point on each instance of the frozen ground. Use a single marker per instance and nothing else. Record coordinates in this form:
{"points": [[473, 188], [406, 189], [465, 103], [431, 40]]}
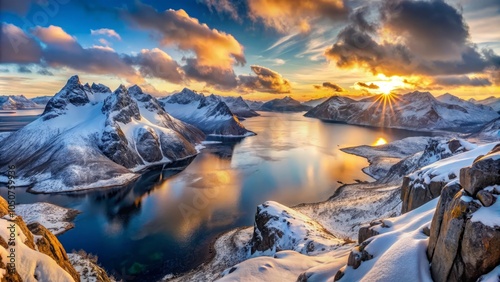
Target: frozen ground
{"points": [[54, 218]]}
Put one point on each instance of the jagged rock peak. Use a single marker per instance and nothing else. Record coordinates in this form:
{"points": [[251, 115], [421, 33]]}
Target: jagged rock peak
{"points": [[135, 89], [100, 88]]}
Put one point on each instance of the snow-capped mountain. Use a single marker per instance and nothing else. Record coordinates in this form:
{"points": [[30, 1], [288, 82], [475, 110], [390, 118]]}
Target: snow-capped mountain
{"points": [[489, 132], [286, 104], [17, 102], [254, 105], [315, 102], [41, 101], [86, 140], [492, 101], [414, 111], [239, 107], [208, 113]]}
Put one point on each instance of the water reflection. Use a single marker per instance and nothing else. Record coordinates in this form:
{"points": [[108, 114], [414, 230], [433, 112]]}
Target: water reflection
{"points": [[381, 141], [166, 220]]}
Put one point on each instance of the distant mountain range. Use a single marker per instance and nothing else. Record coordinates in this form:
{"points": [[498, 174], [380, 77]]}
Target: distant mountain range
{"points": [[492, 101], [415, 111], [286, 104], [19, 102], [208, 113]]}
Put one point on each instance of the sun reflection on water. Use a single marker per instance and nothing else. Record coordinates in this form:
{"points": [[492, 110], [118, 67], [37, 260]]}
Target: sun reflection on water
{"points": [[380, 141]]}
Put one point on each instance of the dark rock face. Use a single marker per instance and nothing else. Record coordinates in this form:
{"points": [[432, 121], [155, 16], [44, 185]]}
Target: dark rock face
{"points": [[100, 88], [460, 247], [72, 93], [121, 106], [148, 145], [114, 145], [416, 192]]}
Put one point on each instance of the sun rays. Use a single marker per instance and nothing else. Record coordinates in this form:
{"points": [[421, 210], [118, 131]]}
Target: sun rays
{"points": [[384, 101]]}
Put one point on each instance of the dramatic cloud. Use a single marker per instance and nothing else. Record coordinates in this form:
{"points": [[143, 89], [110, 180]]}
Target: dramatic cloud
{"points": [[329, 85], [106, 32], [62, 50], [462, 81], [176, 28], [369, 86], [156, 63], [413, 38], [222, 7], [17, 46], [266, 80], [284, 15], [217, 77]]}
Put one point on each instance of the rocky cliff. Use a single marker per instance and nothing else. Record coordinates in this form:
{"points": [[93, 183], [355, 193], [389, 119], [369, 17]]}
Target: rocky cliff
{"points": [[464, 239]]}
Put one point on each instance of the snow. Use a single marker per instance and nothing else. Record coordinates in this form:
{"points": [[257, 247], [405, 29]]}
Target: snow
{"points": [[4, 135], [399, 252], [29, 262], [489, 216], [67, 146], [442, 169], [284, 266], [87, 268], [56, 219], [492, 276]]}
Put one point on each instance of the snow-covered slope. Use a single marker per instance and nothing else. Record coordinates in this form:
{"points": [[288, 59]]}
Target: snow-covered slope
{"points": [[87, 140], [492, 101], [286, 104], [239, 107], [415, 111], [55, 218], [17, 102], [208, 113], [489, 132]]}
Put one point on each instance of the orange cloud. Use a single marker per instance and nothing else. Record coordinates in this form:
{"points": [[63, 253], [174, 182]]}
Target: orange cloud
{"points": [[212, 48], [284, 15], [53, 35], [266, 80]]}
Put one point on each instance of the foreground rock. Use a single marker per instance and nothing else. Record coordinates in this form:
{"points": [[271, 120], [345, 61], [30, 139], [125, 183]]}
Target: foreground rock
{"points": [[43, 258], [208, 113], [86, 139], [416, 110], [465, 231], [426, 184]]}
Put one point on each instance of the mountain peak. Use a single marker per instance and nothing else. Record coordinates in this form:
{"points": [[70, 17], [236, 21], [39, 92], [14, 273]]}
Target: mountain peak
{"points": [[121, 89], [74, 80], [135, 89]]}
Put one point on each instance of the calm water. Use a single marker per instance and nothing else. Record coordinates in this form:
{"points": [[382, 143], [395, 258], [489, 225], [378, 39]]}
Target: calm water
{"points": [[164, 223], [12, 120]]}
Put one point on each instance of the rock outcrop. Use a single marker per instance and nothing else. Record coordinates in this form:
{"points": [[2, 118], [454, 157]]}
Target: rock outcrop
{"points": [[423, 185], [464, 239], [40, 249], [279, 228]]}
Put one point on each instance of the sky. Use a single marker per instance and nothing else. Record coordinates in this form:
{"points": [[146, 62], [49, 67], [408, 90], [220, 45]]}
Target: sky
{"points": [[259, 49]]}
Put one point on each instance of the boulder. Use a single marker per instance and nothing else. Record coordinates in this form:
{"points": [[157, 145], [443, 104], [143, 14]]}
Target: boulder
{"points": [[464, 244]]}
